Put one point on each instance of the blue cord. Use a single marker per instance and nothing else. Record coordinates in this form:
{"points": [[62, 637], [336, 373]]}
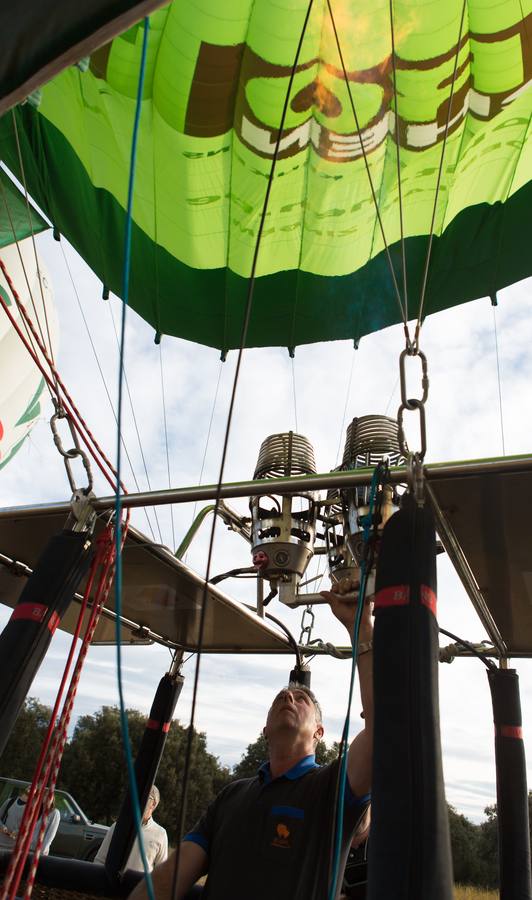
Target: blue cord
{"points": [[345, 734], [118, 500]]}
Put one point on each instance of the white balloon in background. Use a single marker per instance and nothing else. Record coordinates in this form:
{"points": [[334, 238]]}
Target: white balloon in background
{"points": [[21, 382]]}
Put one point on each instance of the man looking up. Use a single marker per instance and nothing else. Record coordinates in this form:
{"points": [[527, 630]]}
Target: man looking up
{"points": [[270, 836]]}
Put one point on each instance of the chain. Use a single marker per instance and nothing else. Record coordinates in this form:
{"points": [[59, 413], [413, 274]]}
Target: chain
{"points": [[307, 624], [75, 452], [409, 404]]}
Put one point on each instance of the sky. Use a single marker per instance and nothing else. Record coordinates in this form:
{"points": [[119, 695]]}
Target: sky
{"points": [[317, 394]]}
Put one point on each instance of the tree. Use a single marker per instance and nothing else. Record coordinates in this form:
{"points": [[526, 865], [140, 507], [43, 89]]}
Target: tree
{"points": [[22, 750], [464, 848], [489, 843], [207, 778], [257, 752], [488, 848], [94, 769]]}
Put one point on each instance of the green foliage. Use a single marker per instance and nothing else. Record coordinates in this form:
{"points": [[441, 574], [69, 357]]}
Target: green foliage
{"points": [[489, 844], [489, 848], [94, 769], [254, 756], [22, 750], [464, 848]]}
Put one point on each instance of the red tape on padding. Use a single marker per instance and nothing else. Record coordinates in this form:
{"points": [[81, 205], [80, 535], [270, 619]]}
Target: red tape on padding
{"points": [[398, 595], [511, 731], [428, 598], [34, 612], [155, 724]]}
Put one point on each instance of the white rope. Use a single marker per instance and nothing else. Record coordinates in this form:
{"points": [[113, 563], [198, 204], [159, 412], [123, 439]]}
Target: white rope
{"points": [[87, 329], [137, 432], [501, 417]]}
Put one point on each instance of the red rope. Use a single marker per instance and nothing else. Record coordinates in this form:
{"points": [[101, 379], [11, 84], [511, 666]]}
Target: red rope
{"points": [[55, 740], [80, 425], [37, 786], [101, 596]]}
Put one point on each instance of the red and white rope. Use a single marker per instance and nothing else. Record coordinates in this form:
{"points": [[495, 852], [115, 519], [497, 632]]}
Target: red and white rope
{"points": [[46, 774]]}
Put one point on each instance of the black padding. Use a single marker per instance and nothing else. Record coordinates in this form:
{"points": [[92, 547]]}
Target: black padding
{"points": [[35, 34], [24, 641], [512, 793], [409, 850], [146, 765], [76, 875]]}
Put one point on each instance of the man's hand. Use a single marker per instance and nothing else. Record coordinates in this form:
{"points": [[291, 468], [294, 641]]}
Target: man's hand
{"points": [[343, 600]]}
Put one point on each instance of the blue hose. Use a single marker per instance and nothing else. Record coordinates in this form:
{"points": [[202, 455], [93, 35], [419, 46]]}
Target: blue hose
{"points": [[118, 501], [345, 734]]}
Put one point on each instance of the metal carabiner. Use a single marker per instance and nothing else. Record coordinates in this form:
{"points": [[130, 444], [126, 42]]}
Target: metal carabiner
{"points": [[407, 402], [74, 452]]}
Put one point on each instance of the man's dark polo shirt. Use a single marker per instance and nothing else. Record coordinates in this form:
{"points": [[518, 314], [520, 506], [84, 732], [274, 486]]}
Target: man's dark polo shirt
{"points": [[270, 839]]}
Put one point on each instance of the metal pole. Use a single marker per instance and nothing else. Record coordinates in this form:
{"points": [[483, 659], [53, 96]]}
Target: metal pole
{"points": [[460, 563], [260, 597], [295, 484]]}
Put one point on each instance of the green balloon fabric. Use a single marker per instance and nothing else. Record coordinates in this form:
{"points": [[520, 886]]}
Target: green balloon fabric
{"points": [[216, 81]]}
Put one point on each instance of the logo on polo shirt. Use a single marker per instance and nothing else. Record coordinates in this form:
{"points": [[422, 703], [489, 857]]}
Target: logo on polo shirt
{"points": [[282, 836]]}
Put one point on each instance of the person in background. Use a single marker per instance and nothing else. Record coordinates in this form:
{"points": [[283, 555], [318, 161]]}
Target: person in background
{"points": [[52, 824], [11, 815], [154, 839]]}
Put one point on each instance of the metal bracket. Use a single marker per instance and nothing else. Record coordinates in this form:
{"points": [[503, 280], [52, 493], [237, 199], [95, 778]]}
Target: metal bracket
{"points": [[82, 514]]}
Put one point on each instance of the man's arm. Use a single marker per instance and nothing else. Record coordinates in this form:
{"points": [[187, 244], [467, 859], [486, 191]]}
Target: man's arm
{"points": [[343, 600], [192, 865]]}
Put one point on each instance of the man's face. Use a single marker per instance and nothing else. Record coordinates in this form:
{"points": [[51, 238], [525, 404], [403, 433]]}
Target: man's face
{"points": [[149, 808], [293, 710]]}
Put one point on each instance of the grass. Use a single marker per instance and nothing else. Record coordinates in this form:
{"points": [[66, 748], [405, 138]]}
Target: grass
{"points": [[470, 893]]}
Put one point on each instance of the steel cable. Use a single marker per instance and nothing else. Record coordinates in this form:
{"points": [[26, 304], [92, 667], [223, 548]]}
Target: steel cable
{"points": [[438, 180], [89, 335]]}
